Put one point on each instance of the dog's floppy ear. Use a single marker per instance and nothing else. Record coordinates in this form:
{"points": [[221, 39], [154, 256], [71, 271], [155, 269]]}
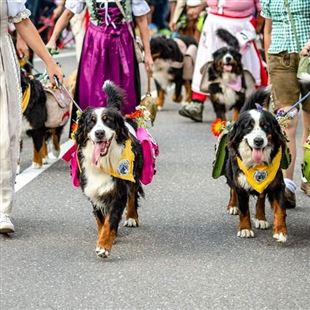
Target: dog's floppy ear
{"points": [[115, 95], [235, 137], [81, 133], [121, 129]]}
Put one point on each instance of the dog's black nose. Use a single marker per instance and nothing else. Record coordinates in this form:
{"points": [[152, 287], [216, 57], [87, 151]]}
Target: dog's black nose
{"points": [[99, 134], [228, 59], [258, 141]]}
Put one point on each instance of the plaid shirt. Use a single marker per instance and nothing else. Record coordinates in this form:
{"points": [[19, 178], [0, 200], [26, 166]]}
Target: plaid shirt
{"points": [[282, 36]]}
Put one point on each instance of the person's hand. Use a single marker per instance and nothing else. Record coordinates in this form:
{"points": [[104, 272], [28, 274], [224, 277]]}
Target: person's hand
{"points": [[21, 48], [172, 26], [193, 12], [54, 70], [306, 50], [148, 62]]}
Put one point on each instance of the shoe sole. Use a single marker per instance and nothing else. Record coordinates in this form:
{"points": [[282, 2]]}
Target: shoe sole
{"points": [[6, 230], [183, 113]]}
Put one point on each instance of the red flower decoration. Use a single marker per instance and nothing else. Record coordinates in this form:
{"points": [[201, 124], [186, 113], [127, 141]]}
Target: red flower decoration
{"points": [[218, 126], [135, 114]]}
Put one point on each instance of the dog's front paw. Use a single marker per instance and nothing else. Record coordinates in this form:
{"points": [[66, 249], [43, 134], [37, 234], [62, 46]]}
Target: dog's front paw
{"points": [[245, 233], [36, 165], [55, 152], [45, 160], [130, 222], [280, 237], [102, 252], [232, 210], [260, 224]]}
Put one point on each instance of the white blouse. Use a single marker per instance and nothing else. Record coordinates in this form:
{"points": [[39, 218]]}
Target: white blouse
{"points": [[139, 7], [17, 11]]}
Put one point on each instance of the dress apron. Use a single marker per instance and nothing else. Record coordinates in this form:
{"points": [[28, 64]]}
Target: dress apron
{"points": [[210, 42], [10, 113], [107, 54]]}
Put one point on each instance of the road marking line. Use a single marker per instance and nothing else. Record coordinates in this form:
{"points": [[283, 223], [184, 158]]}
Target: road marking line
{"points": [[31, 173]]}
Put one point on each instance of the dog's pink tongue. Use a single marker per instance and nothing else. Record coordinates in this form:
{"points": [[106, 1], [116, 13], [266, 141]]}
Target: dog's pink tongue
{"points": [[257, 155], [99, 149], [227, 68]]}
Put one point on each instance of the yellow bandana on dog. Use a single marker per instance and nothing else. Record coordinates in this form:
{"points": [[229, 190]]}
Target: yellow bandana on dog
{"points": [[260, 176], [124, 169], [26, 98]]}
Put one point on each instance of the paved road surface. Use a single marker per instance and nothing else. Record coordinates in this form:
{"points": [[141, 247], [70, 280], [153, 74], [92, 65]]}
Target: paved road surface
{"points": [[185, 254]]}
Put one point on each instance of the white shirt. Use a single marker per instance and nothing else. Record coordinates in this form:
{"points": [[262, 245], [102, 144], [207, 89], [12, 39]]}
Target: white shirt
{"points": [[17, 10], [139, 7]]}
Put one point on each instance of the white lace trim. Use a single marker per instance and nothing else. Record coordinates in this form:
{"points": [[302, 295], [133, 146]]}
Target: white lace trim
{"points": [[20, 16]]}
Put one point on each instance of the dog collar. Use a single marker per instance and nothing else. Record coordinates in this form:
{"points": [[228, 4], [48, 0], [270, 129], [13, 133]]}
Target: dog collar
{"points": [[260, 176], [26, 98]]}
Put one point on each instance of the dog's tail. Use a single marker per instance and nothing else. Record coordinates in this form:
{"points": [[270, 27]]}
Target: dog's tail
{"points": [[228, 38], [115, 95], [258, 99]]}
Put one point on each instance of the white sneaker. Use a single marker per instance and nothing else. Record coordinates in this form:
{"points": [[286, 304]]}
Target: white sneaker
{"points": [[6, 225]]}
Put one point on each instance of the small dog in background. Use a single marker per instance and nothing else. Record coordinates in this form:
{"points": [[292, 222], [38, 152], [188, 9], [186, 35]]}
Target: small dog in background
{"points": [[174, 61], [256, 148], [225, 79], [35, 116]]}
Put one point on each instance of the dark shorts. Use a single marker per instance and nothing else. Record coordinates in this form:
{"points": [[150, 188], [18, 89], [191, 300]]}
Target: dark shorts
{"points": [[286, 90]]}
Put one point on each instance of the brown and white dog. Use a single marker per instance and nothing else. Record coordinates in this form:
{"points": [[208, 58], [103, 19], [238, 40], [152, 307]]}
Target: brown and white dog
{"points": [[101, 139], [35, 115], [256, 145], [227, 83], [173, 65]]}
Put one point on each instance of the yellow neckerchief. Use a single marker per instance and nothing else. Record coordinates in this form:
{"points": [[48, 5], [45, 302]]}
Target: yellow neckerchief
{"points": [[124, 169], [26, 98], [260, 176]]}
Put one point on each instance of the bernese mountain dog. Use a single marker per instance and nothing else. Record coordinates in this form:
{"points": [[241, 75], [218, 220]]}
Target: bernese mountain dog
{"points": [[256, 146], [108, 179], [34, 118], [170, 57], [227, 82]]}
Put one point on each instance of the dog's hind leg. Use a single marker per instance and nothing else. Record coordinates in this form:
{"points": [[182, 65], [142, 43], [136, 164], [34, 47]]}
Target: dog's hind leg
{"points": [[38, 147], [232, 207], [177, 96], [132, 218], [56, 135], [235, 115], [245, 229], [260, 217], [160, 100], [188, 91]]}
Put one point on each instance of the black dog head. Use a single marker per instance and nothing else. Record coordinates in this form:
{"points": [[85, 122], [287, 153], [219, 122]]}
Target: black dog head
{"points": [[227, 59], [164, 48], [256, 135], [104, 124]]}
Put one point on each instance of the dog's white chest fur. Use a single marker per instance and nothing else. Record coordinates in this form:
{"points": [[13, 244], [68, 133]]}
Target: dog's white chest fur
{"points": [[161, 73], [229, 96], [99, 183]]}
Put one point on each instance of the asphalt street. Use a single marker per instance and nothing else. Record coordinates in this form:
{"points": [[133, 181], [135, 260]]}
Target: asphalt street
{"points": [[185, 254]]}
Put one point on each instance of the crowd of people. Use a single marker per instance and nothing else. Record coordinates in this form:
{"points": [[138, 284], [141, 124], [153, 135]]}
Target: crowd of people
{"points": [[107, 32]]}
